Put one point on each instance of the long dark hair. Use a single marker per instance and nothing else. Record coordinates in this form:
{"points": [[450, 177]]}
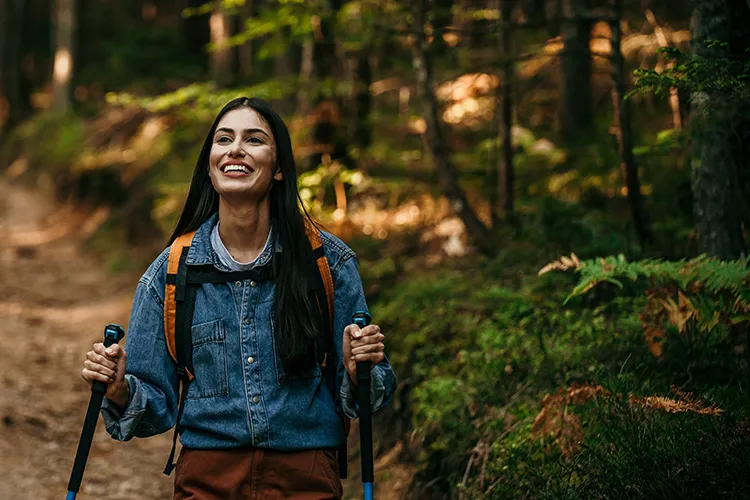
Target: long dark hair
{"points": [[298, 324]]}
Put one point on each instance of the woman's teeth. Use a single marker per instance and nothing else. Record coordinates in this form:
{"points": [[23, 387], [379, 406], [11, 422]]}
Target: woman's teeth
{"points": [[236, 168]]}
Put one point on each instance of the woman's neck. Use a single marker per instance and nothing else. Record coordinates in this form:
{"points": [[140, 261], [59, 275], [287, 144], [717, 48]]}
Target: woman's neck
{"points": [[244, 228]]}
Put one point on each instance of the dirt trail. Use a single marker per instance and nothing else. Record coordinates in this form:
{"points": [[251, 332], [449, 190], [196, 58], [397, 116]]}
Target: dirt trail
{"points": [[55, 298]]}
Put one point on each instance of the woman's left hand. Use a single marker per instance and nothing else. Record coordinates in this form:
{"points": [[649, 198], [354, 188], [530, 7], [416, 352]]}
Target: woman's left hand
{"points": [[362, 345]]}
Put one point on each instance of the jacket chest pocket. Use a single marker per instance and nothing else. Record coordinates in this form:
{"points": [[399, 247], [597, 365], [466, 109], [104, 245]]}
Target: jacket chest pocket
{"points": [[209, 361], [283, 378]]}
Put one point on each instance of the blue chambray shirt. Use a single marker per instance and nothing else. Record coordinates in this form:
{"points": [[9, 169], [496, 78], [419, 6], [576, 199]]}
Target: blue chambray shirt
{"points": [[240, 395]]}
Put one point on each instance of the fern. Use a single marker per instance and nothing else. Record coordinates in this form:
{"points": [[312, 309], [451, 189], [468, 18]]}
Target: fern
{"points": [[692, 295]]}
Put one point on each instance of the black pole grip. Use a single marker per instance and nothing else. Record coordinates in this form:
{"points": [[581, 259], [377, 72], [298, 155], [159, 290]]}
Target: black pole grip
{"points": [[363, 319], [112, 335]]}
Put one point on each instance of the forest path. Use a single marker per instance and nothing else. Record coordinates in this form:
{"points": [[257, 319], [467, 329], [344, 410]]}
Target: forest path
{"points": [[55, 299]]}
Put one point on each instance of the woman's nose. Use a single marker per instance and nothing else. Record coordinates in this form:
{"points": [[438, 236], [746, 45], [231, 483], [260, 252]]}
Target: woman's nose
{"points": [[236, 149]]}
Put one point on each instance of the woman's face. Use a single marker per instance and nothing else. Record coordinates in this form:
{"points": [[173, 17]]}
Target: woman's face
{"points": [[243, 155]]}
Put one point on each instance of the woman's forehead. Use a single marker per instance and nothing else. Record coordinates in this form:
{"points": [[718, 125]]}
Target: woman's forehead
{"points": [[244, 118]]}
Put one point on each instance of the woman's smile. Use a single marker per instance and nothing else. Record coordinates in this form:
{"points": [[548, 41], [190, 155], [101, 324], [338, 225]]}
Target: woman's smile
{"points": [[236, 169]]}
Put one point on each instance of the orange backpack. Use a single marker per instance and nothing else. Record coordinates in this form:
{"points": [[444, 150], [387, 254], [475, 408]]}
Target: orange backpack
{"points": [[183, 282]]}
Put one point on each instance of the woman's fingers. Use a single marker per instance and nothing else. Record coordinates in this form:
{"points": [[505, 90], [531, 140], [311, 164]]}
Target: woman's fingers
{"points": [[101, 363], [373, 358], [367, 340], [368, 348], [90, 376], [93, 357], [99, 368]]}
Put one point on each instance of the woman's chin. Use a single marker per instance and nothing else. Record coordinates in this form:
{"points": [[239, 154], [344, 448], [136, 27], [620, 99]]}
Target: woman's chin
{"points": [[238, 189]]}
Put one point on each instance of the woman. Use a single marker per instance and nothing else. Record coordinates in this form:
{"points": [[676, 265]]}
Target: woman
{"points": [[260, 419]]}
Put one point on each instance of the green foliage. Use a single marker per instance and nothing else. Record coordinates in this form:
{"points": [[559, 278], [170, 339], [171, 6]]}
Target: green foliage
{"points": [[697, 298], [725, 76], [633, 451], [479, 356], [47, 142]]}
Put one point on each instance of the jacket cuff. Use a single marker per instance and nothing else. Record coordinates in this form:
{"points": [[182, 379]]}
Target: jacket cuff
{"points": [[349, 393], [121, 424]]}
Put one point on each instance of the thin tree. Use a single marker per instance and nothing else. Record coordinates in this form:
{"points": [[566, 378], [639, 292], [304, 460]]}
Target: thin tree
{"points": [[505, 167], [245, 51], [575, 115], [221, 54], [435, 143], [17, 105], [718, 152], [3, 36], [628, 164], [62, 70], [325, 104]]}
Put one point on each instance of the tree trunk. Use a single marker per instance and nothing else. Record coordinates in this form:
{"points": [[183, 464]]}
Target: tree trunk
{"points": [[575, 109], [715, 155], [326, 107], [506, 170], [62, 70], [362, 128], [17, 106], [195, 31], [674, 98], [3, 101], [245, 51], [221, 55], [444, 169], [628, 164]]}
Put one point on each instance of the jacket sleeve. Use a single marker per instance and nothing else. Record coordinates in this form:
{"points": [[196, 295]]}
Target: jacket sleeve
{"points": [[349, 297], [151, 373]]}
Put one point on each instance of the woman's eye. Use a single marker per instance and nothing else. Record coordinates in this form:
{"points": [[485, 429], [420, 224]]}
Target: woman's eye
{"points": [[223, 139], [255, 140]]}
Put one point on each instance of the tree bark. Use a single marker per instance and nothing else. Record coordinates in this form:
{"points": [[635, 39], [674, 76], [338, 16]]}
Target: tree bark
{"points": [[362, 128], [62, 70], [195, 31], [326, 107], [221, 55], [3, 33], [446, 172], [628, 165], [17, 106], [575, 108], [305, 77], [674, 98], [715, 155], [506, 170], [245, 51]]}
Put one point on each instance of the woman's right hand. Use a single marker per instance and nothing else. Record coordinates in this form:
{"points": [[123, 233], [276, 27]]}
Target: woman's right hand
{"points": [[108, 365]]}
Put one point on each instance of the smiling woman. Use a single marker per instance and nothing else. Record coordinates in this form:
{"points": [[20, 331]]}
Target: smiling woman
{"points": [[273, 379]]}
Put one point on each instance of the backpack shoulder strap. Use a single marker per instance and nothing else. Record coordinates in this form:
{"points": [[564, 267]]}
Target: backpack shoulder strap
{"points": [[175, 289], [324, 279], [324, 269]]}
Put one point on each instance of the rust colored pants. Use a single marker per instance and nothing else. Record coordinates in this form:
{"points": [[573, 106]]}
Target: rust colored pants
{"points": [[253, 473]]}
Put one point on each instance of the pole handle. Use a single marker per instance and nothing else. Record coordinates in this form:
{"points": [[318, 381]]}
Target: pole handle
{"points": [[112, 334], [362, 319]]}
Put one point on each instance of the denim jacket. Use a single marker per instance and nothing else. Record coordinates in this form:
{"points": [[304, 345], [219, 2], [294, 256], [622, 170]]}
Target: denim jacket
{"points": [[241, 395]]}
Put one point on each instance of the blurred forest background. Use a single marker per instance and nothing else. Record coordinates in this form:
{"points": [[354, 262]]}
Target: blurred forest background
{"points": [[548, 198]]}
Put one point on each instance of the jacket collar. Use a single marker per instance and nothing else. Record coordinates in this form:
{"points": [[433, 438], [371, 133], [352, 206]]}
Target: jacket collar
{"points": [[201, 252]]}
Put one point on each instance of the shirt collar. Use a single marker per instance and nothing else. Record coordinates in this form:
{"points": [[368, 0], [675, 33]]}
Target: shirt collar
{"points": [[201, 252]]}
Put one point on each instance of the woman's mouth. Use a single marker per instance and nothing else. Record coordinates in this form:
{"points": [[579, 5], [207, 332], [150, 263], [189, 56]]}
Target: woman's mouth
{"points": [[236, 169]]}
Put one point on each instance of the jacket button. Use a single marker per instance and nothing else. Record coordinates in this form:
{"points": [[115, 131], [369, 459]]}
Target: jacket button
{"points": [[252, 283], [251, 360], [238, 283], [256, 399], [247, 321]]}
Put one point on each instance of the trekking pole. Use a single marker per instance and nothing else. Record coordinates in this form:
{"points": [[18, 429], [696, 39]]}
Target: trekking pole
{"points": [[112, 335], [362, 319]]}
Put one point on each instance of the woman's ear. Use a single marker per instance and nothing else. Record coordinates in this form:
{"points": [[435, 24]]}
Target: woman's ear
{"points": [[278, 175]]}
